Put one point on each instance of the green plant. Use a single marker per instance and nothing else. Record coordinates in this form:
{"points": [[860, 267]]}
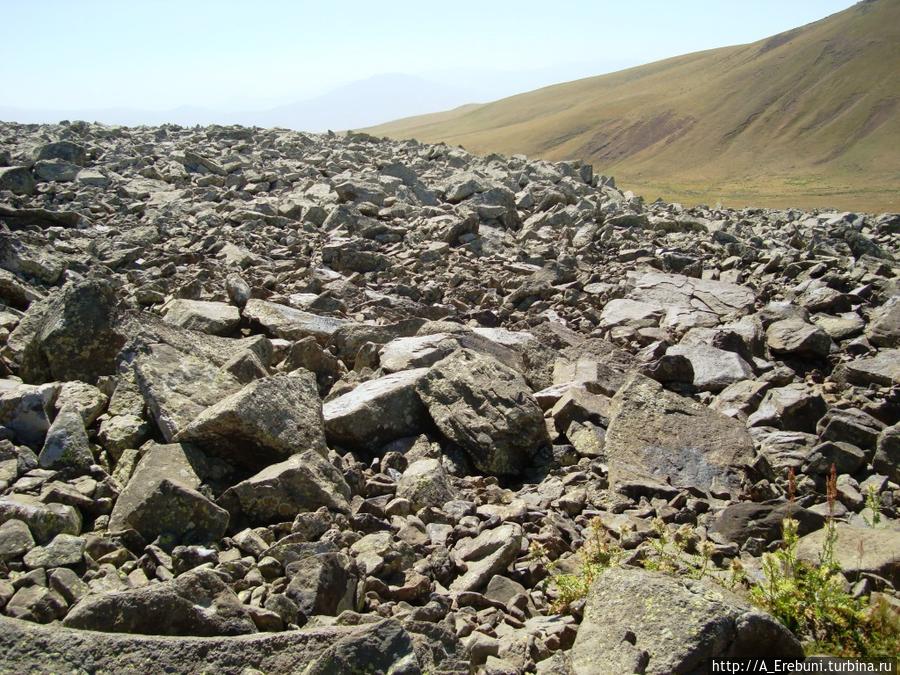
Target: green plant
{"points": [[873, 504], [598, 553], [682, 552], [811, 601]]}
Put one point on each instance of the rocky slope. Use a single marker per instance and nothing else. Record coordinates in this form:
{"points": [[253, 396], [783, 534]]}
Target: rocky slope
{"points": [[338, 391]]}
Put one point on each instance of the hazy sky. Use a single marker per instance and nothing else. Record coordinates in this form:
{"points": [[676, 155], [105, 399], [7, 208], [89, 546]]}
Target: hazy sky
{"points": [[236, 55]]}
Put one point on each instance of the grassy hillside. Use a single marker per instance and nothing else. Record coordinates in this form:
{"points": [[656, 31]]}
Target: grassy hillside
{"points": [[810, 117]]}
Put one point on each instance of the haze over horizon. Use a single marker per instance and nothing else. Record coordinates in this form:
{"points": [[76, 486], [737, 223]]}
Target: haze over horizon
{"points": [[314, 67]]}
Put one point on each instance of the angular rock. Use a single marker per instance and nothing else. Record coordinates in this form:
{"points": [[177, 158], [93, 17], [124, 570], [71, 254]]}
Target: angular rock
{"points": [[17, 179], [67, 445], [656, 434], [714, 369], [289, 323], [425, 483], [490, 553], [303, 482], [44, 520], [883, 369], [486, 408], [178, 387], [15, 540], [641, 621], [213, 318], [377, 411], [857, 550], [266, 421], [196, 603], [62, 550], [793, 337]]}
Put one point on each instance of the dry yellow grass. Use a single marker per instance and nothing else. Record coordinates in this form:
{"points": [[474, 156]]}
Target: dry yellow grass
{"points": [[808, 118]]}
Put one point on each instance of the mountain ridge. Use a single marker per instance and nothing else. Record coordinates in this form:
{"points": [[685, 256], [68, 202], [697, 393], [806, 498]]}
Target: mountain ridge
{"points": [[806, 117]]}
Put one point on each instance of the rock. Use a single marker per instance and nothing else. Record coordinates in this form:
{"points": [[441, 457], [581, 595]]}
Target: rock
{"points": [[63, 550], [84, 398], [850, 426], [44, 520], [36, 603], [28, 647], [794, 407], [303, 482], [377, 411], [196, 603], [641, 621], [857, 550], [213, 318], [883, 369], [656, 434], [490, 553], [289, 323], [621, 311], [177, 387], [76, 337], [385, 647], [56, 170], [701, 295], [741, 521], [266, 421], [324, 583], [17, 179], [714, 369], [887, 453], [161, 499], [68, 151], [425, 483], [67, 445], [121, 432], [15, 540], [25, 410], [486, 408], [884, 327], [793, 337]]}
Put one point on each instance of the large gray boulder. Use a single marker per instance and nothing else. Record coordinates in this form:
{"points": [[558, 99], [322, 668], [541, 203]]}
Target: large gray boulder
{"points": [[485, 407], [178, 387], [196, 603], [44, 520], [17, 179], [303, 482], [162, 499], [638, 621], [76, 336], [67, 445], [27, 647], [290, 323], [656, 434], [266, 421], [213, 318], [377, 411]]}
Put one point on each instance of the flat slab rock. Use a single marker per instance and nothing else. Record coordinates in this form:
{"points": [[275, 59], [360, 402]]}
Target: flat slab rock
{"points": [[27, 647], [656, 434], [289, 323], [649, 622], [716, 297]]}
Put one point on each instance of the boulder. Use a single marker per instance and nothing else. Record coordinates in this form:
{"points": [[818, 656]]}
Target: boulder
{"points": [[76, 336], [213, 318], [289, 323], [196, 603], [797, 338], [636, 620], [45, 521], [266, 421], [425, 483], [741, 521], [161, 499], [303, 482], [714, 369], [377, 411], [882, 369], [656, 434], [323, 583], [17, 179], [488, 554], [67, 445], [858, 550], [178, 387], [486, 408]]}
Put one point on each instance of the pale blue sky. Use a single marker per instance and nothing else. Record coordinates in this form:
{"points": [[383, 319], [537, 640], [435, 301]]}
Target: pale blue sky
{"points": [[239, 55]]}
